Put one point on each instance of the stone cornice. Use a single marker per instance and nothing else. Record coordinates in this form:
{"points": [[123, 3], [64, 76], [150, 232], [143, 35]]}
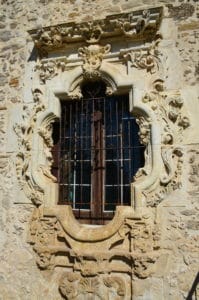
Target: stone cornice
{"points": [[136, 25]]}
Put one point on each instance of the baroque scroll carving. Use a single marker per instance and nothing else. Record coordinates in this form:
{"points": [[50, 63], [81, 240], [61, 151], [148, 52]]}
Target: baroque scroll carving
{"points": [[24, 131], [148, 58], [168, 108]]}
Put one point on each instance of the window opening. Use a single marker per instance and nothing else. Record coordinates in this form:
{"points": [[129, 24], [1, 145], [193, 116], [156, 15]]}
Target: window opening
{"points": [[99, 153]]}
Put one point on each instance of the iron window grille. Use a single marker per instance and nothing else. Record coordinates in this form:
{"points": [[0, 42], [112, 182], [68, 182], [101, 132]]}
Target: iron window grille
{"points": [[97, 152]]}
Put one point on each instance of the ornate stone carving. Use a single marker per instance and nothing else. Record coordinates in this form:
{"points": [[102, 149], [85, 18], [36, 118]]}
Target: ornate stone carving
{"points": [[24, 131], [76, 93], [144, 129], [45, 131], [117, 283], [91, 32], [194, 172], [132, 249], [50, 68], [148, 59], [130, 25], [100, 261], [168, 107], [73, 286], [92, 58]]}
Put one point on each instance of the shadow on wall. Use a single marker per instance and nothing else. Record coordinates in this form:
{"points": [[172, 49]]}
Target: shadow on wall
{"points": [[194, 292]]}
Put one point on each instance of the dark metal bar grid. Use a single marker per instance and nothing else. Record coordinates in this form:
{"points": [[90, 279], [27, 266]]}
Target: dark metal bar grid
{"points": [[116, 152]]}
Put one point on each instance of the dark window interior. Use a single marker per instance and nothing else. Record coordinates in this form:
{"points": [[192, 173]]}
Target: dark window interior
{"points": [[96, 153]]}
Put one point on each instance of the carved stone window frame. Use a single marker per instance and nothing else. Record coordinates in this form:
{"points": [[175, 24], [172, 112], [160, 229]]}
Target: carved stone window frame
{"points": [[123, 51], [59, 76]]}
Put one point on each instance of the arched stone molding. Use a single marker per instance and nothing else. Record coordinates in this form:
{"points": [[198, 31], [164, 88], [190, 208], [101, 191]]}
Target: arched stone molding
{"points": [[117, 82]]}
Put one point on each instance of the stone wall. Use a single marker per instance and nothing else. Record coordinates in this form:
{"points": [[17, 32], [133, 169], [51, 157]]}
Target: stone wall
{"points": [[177, 215]]}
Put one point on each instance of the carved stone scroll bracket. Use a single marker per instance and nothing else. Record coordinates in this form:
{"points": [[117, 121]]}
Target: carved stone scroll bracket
{"points": [[24, 132]]}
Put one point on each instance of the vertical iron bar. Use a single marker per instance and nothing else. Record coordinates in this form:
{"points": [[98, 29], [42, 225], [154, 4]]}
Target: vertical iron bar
{"points": [[121, 156], [74, 159], [81, 163], [118, 158]]}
